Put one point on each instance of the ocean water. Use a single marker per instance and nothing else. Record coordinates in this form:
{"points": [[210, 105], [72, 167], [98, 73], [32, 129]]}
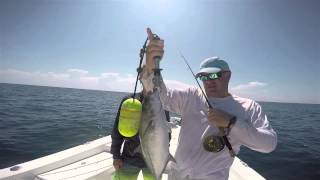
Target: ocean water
{"points": [[37, 121]]}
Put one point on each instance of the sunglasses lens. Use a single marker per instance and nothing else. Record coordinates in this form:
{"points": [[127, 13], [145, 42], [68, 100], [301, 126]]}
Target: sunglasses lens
{"points": [[203, 78], [213, 76]]}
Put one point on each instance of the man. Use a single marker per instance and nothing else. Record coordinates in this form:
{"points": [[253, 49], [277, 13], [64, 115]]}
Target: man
{"points": [[128, 163], [242, 119]]}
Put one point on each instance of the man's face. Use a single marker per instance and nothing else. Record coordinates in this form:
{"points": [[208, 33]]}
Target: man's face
{"points": [[217, 87]]}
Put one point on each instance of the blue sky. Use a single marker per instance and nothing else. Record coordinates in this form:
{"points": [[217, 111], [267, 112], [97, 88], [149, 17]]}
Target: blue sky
{"points": [[272, 47]]}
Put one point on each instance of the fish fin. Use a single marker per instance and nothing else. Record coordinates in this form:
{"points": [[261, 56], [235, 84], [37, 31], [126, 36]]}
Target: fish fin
{"points": [[168, 167], [171, 158]]}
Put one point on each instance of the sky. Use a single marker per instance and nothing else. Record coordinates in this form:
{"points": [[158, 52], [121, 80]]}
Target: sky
{"points": [[272, 47]]}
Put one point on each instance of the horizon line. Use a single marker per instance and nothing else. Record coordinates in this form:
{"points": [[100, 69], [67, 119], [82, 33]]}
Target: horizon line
{"points": [[309, 103]]}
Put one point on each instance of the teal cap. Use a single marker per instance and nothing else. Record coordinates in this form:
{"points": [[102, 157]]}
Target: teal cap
{"points": [[213, 65]]}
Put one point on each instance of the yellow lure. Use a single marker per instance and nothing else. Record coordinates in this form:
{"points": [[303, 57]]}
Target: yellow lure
{"points": [[129, 118]]}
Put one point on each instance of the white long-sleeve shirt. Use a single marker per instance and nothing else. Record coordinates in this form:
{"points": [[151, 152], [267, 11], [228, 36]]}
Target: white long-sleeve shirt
{"points": [[251, 129]]}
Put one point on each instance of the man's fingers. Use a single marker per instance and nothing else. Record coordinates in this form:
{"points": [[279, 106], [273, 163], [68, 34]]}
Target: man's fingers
{"points": [[116, 167], [151, 49], [150, 34]]}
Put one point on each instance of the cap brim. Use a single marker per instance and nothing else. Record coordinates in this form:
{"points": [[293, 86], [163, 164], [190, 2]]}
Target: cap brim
{"points": [[208, 70]]}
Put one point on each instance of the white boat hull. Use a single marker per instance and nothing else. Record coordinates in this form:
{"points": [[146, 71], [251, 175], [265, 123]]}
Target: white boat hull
{"points": [[93, 161]]}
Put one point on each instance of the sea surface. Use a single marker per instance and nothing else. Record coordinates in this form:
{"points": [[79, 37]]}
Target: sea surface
{"points": [[36, 121]]}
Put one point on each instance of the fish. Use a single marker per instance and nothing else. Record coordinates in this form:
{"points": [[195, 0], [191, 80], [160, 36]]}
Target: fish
{"points": [[153, 131]]}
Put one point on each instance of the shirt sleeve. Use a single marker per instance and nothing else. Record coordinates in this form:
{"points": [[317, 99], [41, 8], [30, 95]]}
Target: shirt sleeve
{"points": [[116, 137], [255, 133], [174, 100]]}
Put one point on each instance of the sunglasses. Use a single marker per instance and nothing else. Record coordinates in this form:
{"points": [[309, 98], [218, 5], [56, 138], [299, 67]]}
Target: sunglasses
{"points": [[210, 76]]}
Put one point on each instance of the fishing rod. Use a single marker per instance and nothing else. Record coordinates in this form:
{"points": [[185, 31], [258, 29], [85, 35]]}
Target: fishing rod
{"points": [[139, 69], [205, 96], [210, 139], [132, 107]]}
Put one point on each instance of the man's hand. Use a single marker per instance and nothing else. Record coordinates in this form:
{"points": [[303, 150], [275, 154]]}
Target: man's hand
{"points": [[154, 49], [218, 117], [117, 163]]}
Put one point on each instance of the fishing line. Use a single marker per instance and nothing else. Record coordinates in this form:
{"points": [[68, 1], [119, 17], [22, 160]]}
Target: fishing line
{"points": [[139, 69], [141, 55], [205, 96]]}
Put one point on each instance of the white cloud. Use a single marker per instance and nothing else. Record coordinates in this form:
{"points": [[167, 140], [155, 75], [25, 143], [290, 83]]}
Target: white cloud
{"points": [[77, 72], [78, 78], [249, 86], [253, 90], [176, 84], [110, 75], [113, 81], [58, 76]]}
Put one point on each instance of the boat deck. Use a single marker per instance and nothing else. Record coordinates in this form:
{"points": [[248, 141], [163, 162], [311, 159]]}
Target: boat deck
{"points": [[92, 161]]}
